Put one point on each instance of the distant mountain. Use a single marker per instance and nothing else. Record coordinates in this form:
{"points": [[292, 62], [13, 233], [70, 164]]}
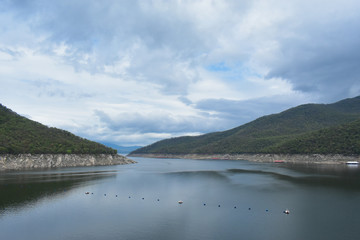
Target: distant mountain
{"points": [[121, 149], [21, 135], [275, 133]]}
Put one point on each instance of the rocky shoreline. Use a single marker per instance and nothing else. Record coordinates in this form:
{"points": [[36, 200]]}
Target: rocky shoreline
{"points": [[288, 158], [31, 161]]}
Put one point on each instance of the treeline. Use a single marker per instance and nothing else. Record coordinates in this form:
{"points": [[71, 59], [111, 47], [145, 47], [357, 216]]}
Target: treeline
{"points": [[21, 135], [309, 128]]}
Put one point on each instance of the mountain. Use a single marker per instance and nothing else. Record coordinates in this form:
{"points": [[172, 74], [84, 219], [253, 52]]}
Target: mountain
{"points": [[121, 149], [21, 135], [343, 139], [270, 134]]}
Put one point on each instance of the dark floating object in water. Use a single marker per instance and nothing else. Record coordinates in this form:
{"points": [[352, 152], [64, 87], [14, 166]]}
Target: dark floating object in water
{"points": [[129, 197], [249, 208], [116, 195], [105, 194], [235, 207], [180, 202], [92, 193], [204, 204], [158, 200], [143, 198], [267, 210], [286, 211], [86, 192], [219, 205]]}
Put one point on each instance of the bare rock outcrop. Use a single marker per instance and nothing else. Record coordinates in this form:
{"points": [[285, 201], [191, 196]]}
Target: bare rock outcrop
{"points": [[290, 158], [28, 161]]}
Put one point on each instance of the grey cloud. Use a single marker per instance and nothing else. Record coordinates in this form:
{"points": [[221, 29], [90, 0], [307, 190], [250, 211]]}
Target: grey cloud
{"points": [[114, 24], [165, 68], [323, 57], [241, 112], [11, 52], [157, 123], [185, 100], [162, 43], [319, 43], [55, 89], [229, 113], [316, 50]]}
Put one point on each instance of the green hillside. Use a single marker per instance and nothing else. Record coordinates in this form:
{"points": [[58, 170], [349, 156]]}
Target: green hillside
{"points": [[21, 135], [265, 134], [343, 139]]}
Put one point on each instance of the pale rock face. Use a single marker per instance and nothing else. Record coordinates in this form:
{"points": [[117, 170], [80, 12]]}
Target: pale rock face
{"points": [[290, 158], [26, 161]]}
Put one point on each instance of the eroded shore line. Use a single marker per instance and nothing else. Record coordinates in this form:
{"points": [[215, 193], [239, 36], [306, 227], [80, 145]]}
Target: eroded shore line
{"points": [[31, 161], [288, 158]]}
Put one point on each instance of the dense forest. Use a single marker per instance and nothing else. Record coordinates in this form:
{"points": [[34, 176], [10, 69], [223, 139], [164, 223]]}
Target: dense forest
{"points": [[21, 135], [343, 139], [309, 128]]}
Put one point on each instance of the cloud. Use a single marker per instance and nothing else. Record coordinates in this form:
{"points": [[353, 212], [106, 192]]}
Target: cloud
{"points": [[11, 54], [319, 54], [156, 40], [145, 70], [145, 128], [156, 122], [237, 112]]}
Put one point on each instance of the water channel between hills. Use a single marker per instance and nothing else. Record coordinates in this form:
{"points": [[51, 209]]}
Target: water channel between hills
{"points": [[222, 199]]}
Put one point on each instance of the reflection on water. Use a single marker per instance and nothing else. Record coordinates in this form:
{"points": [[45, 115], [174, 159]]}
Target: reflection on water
{"points": [[22, 188], [221, 200], [323, 176]]}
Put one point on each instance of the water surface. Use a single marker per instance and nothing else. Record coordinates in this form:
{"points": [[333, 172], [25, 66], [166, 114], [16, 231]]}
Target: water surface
{"points": [[222, 200]]}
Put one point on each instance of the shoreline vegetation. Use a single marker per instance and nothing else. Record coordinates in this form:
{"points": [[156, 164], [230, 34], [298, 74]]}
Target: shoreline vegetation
{"points": [[276, 158], [34, 161]]}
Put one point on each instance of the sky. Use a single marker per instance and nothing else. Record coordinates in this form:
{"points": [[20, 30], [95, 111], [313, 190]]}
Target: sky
{"points": [[132, 72]]}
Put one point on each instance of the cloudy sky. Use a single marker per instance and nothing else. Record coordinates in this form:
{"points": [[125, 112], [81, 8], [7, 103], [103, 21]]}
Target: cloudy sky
{"points": [[134, 72]]}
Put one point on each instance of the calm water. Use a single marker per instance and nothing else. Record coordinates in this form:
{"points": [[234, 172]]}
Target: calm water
{"points": [[243, 200]]}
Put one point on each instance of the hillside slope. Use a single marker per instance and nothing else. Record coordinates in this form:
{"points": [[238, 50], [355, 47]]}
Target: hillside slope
{"points": [[21, 135], [343, 139], [264, 134]]}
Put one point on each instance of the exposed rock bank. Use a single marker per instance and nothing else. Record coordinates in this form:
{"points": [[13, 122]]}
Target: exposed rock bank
{"points": [[290, 158], [28, 161]]}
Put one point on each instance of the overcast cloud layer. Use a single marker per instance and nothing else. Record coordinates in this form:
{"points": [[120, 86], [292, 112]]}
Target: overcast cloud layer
{"points": [[134, 72]]}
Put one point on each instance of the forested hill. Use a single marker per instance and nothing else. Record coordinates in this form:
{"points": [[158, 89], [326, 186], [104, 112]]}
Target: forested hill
{"points": [[21, 135], [343, 139], [277, 133]]}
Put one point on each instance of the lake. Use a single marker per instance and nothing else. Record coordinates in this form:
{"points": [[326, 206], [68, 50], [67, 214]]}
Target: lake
{"points": [[221, 200]]}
